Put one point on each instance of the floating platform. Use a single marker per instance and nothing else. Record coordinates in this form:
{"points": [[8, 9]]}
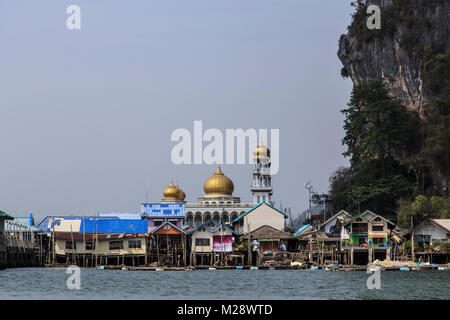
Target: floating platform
{"points": [[292, 268]]}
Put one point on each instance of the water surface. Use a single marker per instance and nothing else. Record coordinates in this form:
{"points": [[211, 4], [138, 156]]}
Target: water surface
{"points": [[49, 283]]}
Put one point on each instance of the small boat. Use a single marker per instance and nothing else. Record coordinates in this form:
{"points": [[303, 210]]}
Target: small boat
{"points": [[100, 267], [333, 267], [314, 268], [373, 268], [212, 269], [404, 269], [254, 268], [442, 268], [125, 268], [159, 269], [271, 268], [239, 268]]}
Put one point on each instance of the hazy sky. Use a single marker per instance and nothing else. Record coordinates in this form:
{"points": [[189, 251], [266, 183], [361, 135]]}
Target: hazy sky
{"points": [[86, 115]]}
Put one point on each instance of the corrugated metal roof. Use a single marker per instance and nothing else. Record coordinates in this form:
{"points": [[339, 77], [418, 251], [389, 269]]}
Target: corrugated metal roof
{"points": [[114, 225], [340, 213], [444, 223], [120, 215], [20, 223], [257, 206], [214, 229], [80, 236], [268, 232], [163, 210], [94, 224], [165, 224], [301, 229], [46, 225], [5, 215]]}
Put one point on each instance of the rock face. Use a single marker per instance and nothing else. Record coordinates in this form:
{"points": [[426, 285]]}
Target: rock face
{"points": [[395, 53]]}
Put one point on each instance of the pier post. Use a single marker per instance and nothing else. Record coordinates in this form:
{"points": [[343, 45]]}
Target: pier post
{"points": [[351, 257]]}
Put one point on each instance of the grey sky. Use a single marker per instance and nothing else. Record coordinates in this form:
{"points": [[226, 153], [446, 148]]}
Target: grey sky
{"points": [[86, 116]]}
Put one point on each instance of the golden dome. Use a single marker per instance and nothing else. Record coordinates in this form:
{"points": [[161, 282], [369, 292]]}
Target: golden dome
{"points": [[218, 184], [261, 151], [171, 192], [181, 194]]}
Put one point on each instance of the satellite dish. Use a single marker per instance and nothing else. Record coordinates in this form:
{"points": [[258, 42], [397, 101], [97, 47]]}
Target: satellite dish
{"points": [[308, 185]]}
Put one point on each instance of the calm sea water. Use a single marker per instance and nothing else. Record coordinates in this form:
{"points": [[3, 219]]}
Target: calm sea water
{"points": [[47, 283]]}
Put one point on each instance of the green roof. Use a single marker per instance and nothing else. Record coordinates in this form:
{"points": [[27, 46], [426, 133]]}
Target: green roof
{"points": [[257, 206], [4, 215]]}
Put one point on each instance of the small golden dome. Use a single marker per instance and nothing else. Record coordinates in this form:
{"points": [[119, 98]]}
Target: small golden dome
{"points": [[261, 151], [171, 192], [181, 194], [218, 184]]}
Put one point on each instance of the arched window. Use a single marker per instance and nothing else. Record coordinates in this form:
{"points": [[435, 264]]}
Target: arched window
{"points": [[234, 216], [226, 218], [189, 219], [198, 219]]}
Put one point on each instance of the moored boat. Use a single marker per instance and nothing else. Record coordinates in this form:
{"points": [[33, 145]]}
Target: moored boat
{"points": [[404, 269]]}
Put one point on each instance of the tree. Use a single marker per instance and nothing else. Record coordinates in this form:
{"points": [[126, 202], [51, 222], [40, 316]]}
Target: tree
{"points": [[376, 125], [437, 141], [379, 133], [424, 208], [340, 182]]}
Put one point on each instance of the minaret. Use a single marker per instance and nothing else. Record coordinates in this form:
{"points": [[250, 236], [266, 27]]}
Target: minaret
{"points": [[262, 179]]}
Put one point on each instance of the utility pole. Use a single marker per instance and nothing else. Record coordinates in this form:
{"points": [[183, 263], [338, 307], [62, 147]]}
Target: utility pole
{"points": [[84, 242], [53, 237], [290, 221], [96, 242], [249, 246], [412, 241], [309, 187]]}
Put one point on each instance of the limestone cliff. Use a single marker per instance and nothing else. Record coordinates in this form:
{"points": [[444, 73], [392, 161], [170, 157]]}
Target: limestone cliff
{"points": [[397, 52]]}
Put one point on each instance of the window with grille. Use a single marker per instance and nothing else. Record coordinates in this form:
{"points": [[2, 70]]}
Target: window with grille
{"points": [[133, 244], [202, 242], [116, 245], [378, 228], [90, 245], [71, 245]]}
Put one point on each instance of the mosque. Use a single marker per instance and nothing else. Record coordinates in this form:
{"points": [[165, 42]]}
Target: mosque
{"points": [[218, 202]]}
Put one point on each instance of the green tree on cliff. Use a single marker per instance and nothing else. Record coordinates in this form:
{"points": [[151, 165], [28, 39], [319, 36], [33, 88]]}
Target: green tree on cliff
{"points": [[379, 131]]}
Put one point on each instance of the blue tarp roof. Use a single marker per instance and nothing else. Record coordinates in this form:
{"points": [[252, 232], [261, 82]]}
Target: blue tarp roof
{"points": [[114, 225], [43, 225], [102, 224]]}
